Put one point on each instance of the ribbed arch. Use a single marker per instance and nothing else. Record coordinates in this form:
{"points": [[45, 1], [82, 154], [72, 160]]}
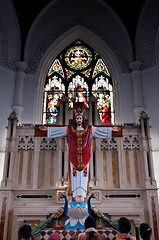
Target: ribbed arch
{"points": [[61, 43]]}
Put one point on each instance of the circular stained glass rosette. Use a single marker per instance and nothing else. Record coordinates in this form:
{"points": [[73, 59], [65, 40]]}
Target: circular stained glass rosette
{"points": [[78, 57]]}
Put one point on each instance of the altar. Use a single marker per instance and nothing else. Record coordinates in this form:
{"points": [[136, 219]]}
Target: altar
{"points": [[121, 177]]}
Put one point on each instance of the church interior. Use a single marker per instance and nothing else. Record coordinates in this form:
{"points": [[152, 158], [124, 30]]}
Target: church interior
{"points": [[58, 60]]}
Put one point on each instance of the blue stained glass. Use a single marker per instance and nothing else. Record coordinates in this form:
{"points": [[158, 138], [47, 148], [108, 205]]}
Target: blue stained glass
{"points": [[76, 71], [100, 67], [56, 67]]}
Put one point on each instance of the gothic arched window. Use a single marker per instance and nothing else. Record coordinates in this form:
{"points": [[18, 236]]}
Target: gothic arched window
{"points": [[77, 72]]}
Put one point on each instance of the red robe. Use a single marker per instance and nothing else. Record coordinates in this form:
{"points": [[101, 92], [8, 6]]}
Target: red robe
{"points": [[106, 116], [79, 147]]}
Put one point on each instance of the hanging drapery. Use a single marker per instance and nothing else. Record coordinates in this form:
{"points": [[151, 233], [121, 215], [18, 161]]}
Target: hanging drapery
{"points": [[79, 146]]}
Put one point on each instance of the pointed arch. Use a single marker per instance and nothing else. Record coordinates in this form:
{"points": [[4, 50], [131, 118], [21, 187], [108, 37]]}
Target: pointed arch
{"points": [[78, 32]]}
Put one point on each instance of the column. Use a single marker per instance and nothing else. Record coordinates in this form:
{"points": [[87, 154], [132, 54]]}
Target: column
{"points": [[13, 149], [24, 170], [65, 102], [36, 162], [133, 170], [65, 163], [96, 115], [91, 182], [98, 159], [91, 102], [59, 170], [150, 152], [137, 89], [120, 162], [19, 89], [60, 117], [146, 140], [10, 151], [144, 147]]}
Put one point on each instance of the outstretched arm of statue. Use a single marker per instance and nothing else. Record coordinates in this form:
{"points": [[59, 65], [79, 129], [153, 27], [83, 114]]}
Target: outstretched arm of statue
{"points": [[107, 132], [50, 132]]}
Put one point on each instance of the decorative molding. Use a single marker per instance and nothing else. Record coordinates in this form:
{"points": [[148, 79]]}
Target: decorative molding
{"points": [[34, 196], [26, 143], [125, 66], [21, 66], [65, 27], [47, 144], [122, 196], [13, 116], [143, 115], [4, 48], [151, 49], [108, 144], [136, 65], [131, 142], [4, 43]]}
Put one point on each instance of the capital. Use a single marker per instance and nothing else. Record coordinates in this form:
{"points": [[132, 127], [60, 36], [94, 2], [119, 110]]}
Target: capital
{"points": [[136, 65], [21, 66]]}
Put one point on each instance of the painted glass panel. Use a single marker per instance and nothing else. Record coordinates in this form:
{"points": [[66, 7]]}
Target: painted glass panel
{"points": [[103, 92], [78, 91], [78, 72], [53, 92], [56, 67], [78, 57]]}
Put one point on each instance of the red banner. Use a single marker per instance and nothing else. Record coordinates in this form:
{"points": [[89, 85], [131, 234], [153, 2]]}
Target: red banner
{"points": [[79, 146]]}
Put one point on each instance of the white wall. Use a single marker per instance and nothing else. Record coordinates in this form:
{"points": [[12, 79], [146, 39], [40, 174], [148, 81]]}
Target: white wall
{"points": [[7, 79], [30, 87], [151, 100], [6, 101], [127, 98]]}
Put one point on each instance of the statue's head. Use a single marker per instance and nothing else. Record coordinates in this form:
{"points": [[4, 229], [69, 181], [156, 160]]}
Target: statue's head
{"points": [[79, 117]]}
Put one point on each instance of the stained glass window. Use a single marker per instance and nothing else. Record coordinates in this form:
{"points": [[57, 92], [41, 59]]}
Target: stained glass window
{"points": [[102, 90], [78, 91], [78, 72], [78, 57], [53, 92]]}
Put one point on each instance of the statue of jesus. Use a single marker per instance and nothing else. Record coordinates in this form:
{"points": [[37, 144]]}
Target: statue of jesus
{"points": [[79, 139]]}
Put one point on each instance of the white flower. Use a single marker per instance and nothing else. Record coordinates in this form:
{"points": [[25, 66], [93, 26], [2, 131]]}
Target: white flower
{"points": [[76, 214]]}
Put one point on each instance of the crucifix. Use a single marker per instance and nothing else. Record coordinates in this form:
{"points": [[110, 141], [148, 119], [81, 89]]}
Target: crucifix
{"points": [[79, 139]]}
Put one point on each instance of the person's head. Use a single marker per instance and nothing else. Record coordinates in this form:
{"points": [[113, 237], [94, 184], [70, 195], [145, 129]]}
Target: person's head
{"points": [[90, 222], [145, 231], [105, 105], [25, 232], [54, 236], [124, 225], [80, 94]]}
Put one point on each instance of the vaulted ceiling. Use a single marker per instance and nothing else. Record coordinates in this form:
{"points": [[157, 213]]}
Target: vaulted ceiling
{"points": [[127, 11]]}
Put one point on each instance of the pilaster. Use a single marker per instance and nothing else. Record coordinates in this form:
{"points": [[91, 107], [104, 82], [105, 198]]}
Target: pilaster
{"points": [[36, 162], [7, 180], [19, 89], [137, 89]]}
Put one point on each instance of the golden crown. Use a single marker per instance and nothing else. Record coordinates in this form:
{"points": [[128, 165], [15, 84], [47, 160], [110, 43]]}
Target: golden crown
{"points": [[79, 111]]}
